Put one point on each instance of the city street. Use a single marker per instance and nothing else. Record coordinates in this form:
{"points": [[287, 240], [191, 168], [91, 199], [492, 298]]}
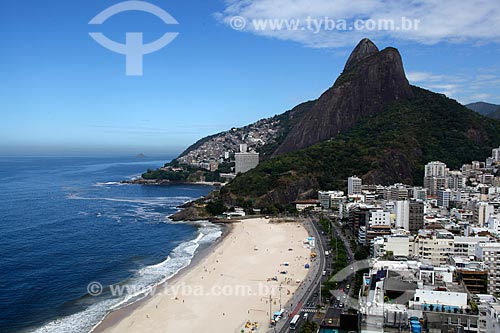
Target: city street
{"points": [[307, 296], [307, 299]]}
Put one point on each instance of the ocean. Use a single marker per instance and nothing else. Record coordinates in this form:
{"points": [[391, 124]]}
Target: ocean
{"points": [[68, 222]]}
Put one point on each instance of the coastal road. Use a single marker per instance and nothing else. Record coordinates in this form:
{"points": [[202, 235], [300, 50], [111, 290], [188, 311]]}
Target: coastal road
{"points": [[311, 286], [338, 305]]}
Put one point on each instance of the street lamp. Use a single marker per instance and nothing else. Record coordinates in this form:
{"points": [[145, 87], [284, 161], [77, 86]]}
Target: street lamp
{"points": [[280, 287]]}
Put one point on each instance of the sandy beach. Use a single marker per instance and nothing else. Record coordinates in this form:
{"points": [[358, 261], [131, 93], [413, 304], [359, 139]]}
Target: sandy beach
{"points": [[228, 287]]}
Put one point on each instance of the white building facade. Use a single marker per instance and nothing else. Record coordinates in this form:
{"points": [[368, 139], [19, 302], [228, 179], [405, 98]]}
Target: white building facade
{"points": [[354, 185]]}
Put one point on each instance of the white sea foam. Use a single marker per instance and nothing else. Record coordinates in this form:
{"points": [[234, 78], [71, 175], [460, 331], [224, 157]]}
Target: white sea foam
{"points": [[154, 201], [134, 176], [103, 184], [79, 322], [147, 277]]}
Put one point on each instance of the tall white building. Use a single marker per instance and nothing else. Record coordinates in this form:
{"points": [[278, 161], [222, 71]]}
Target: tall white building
{"points": [[482, 212], [354, 185], [402, 210], [378, 224], [436, 169], [493, 223], [467, 246], [379, 217], [476, 165], [489, 253], [456, 180], [436, 249], [495, 154], [396, 192], [330, 199], [399, 245], [244, 160], [419, 193], [444, 198], [492, 317], [436, 177]]}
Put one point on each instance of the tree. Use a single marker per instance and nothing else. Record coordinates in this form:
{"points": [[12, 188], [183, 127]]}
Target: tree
{"points": [[361, 253], [309, 327], [215, 207]]}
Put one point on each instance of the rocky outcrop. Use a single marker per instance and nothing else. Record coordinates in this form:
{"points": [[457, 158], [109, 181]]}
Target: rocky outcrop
{"points": [[371, 80], [190, 212], [363, 50]]}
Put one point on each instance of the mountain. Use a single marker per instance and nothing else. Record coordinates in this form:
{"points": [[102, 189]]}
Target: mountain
{"points": [[371, 80], [483, 108], [371, 123], [387, 147]]}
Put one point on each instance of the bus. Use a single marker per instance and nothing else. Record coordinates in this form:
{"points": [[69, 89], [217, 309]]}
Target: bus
{"points": [[294, 322]]}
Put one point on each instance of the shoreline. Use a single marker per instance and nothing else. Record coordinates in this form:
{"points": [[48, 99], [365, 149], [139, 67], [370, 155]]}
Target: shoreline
{"points": [[158, 310], [188, 212], [158, 182], [116, 315]]}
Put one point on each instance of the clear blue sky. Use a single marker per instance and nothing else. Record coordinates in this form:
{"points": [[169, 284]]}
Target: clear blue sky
{"points": [[61, 92]]}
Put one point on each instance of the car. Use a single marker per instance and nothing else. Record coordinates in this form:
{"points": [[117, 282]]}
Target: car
{"points": [[341, 305], [348, 286], [305, 315]]}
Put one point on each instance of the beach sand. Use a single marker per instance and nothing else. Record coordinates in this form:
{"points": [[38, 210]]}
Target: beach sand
{"points": [[228, 287]]}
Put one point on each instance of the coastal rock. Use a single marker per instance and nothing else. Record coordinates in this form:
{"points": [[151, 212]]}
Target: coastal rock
{"points": [[142, 181], [190, 213]]}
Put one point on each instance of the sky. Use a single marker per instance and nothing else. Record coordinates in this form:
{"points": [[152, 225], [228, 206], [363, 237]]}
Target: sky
{"points": [[233, 62]]}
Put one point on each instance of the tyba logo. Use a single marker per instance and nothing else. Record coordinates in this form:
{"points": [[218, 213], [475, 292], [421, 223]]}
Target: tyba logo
{"points": [[134, 48]]}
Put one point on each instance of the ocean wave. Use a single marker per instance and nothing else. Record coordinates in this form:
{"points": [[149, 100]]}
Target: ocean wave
{"points": [[145, 200], [103, 184], [134, 176], [81, 322], [143, 280]]}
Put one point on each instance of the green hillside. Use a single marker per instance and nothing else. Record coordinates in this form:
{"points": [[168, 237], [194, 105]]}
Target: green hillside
{"points": [[391, 146], [496, 114]]}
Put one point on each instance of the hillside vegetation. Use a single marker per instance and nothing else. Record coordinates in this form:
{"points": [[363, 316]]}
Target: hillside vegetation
{"points": [[387, 147]]}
